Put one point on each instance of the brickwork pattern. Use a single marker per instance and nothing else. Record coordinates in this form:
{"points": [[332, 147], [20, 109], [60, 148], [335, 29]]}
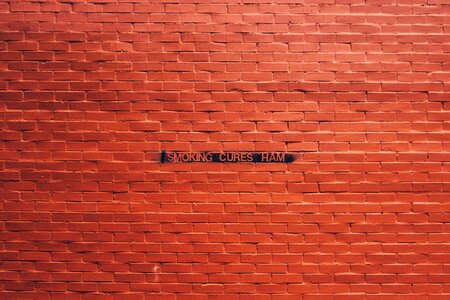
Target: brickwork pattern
{"points": [[92, 90]]}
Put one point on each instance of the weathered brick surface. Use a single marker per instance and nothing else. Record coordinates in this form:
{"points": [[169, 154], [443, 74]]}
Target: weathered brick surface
{"points": [[91, 91]]}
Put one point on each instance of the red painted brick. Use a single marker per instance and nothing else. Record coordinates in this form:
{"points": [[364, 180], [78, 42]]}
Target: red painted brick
{"points": [[92, 91]]}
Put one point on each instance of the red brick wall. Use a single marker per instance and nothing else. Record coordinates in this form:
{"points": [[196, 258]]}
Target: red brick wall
{"points": [[92, 90]]}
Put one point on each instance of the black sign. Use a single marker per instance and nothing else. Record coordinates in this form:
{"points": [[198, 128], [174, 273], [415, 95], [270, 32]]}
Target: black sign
{"points": [[226, 157]]}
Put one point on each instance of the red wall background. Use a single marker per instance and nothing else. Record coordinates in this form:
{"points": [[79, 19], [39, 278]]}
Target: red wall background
{"points": [[91, 91]]}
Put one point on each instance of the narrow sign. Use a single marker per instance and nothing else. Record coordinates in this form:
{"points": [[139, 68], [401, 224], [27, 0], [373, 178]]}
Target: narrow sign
{"points": [[226, 157]]}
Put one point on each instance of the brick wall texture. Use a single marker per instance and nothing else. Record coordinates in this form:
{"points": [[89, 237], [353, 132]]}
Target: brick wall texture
{"points": [[92, 90]]}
